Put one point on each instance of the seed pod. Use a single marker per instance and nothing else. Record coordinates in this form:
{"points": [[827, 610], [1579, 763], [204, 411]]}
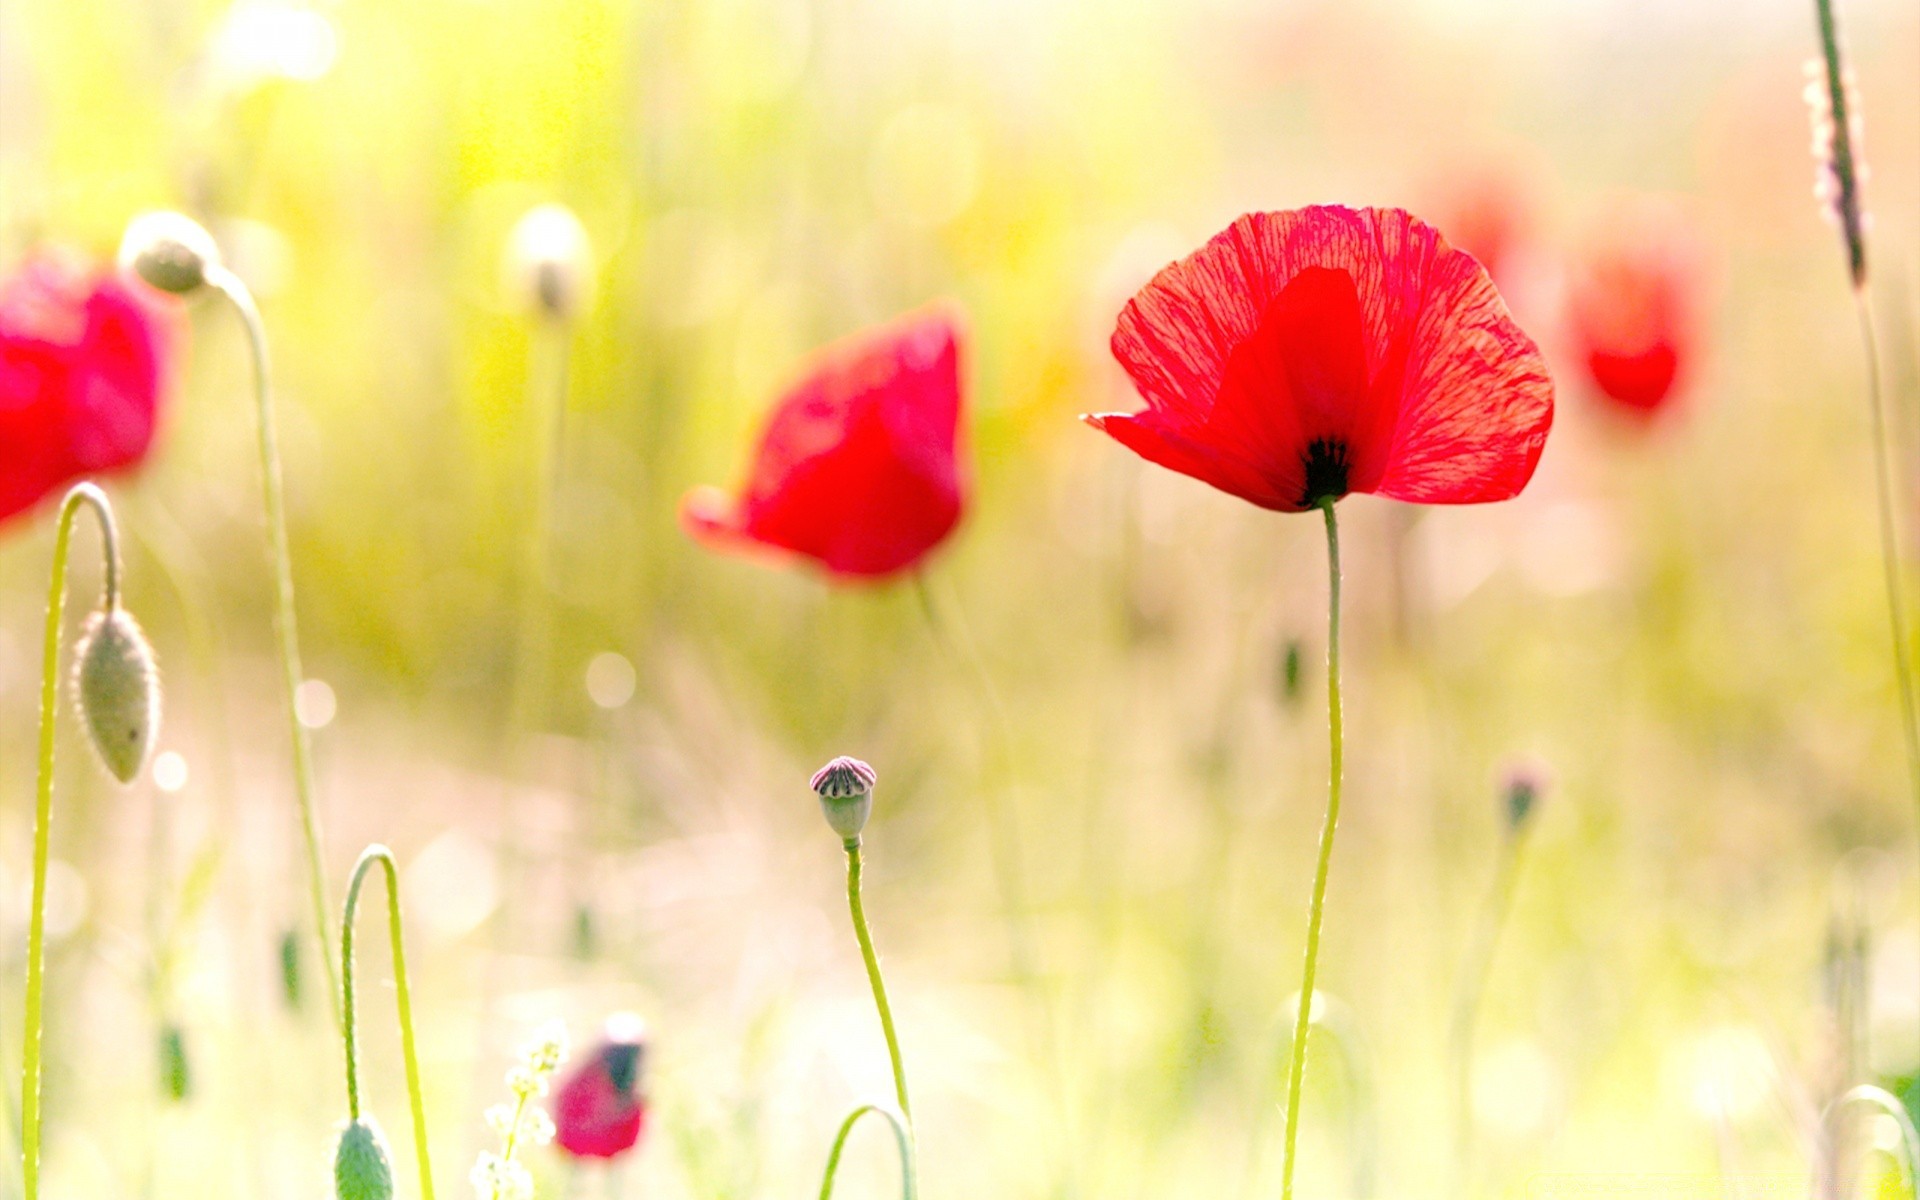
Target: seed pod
{"points": [[362, 1168], [845, 788], [169, 251], [119, 691], [174, 1075]]}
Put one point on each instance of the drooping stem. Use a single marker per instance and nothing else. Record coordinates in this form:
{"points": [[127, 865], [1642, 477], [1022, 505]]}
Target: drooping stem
{"points": [[858, 911], [285, 622], [82, 495], [1887, 1105], [902, 1138], [1297, 1064], [1470, 988], [403, 998]]}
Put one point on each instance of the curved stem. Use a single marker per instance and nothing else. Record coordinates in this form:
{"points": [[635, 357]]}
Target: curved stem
{"points": [[1880, 1098], [1297, 1065], [285, 623], [403, 997], [901, 1136], [82, 495], [1472, 986], [860, 931]]}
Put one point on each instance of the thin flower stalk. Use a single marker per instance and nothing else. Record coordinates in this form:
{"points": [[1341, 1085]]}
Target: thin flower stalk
{"points": [[1836, 135], [286, 623], [403, 997], [84, 495], [1471, 989], [1297, 1061]]}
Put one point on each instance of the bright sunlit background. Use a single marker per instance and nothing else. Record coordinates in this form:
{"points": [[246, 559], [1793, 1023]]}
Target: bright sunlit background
{"points": [[1681, 619]]}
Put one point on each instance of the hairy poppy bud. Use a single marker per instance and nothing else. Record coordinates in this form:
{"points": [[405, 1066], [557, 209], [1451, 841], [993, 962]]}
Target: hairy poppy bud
{"points": [[845, 787], [362, 1168], [174, 1075], [549, 264], [119, 691], [169, 251]]}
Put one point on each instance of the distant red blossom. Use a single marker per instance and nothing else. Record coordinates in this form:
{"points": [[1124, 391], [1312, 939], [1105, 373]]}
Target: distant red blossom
{"points": [[860, 466], [83, 360], [1300, 356], [600, 1110], [1633, 311]]}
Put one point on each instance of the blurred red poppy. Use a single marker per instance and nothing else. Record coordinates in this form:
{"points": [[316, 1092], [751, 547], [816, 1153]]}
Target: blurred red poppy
{"points": [[600, 1111], [1303, 355], [82, 360], [860, 467], [1631, 312]]}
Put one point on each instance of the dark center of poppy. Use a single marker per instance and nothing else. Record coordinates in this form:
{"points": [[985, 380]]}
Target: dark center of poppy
{"points": [[1326, 465]]}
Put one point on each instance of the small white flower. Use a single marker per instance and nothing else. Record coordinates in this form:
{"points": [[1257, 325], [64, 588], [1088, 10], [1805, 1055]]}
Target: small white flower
{"points": [[548, 1049], [524, 1082], [496, 1178], [500, 1121], [536, 1127]]}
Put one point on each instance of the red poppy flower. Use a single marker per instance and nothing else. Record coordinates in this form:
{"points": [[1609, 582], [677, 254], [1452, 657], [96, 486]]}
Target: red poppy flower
{"points": [[599, 1111], [81, 365], [1630, 312], [859, 468], [1303, 355]]}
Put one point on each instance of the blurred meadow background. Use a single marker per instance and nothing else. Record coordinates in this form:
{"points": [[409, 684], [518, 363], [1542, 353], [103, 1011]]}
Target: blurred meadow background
{"points": [[1681, 620]]}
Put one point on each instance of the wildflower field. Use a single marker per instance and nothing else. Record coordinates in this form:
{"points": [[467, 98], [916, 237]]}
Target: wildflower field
{"points": [[1066, 600]]}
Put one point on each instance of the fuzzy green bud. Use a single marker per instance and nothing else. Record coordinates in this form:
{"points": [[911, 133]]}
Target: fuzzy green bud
{"points": [[845, 788], [169, 251], [119, 691], [362, 1168]]}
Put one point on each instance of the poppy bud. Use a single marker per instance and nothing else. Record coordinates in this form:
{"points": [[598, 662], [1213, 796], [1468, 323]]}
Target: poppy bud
{"points": [[362, 1168], [1292, 671], [119, 691], [1524, 784], [845, 787], [174, 1077], [600, 1110], [549, 263], [290, 968], [169, 251]]}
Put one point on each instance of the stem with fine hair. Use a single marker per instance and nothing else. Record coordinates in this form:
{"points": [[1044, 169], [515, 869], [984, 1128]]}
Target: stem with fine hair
{"points": [[89, 496], [285, 622], [1297, 1064], [1470, 988], [879, 984], [403, 997], [902, 1138]]}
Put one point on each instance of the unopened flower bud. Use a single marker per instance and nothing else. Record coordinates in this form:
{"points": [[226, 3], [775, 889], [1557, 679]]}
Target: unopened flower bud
{"points": [[549, 264], [1522, 790], [1292, 671], [175, 1077], [845, 787], [362, 1168], [119, 691], [169, 251], [290, 968]]}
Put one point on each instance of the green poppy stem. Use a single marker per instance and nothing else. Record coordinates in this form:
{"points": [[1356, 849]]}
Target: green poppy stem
{"points": [[860, 931], [902, 1138], [89, 496], [403, 996], [1297, 1064], [1472, 987], [285, 622]]}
